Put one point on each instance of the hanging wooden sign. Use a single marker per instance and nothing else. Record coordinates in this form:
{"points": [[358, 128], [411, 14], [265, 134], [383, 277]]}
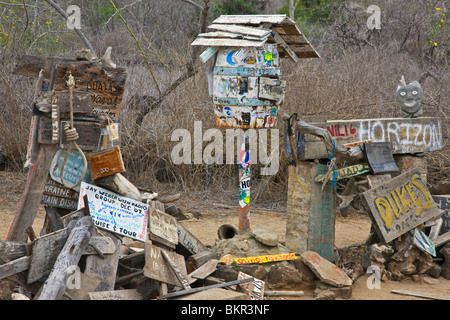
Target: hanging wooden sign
{"points": [[105, 162], [400, 204], [73, 168]]}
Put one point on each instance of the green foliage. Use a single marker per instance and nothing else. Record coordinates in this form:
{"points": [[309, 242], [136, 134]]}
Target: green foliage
{"points": [[234, 7]]}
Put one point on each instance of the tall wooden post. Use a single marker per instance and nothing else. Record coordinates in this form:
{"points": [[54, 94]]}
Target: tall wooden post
{"points": [[244, 181]]}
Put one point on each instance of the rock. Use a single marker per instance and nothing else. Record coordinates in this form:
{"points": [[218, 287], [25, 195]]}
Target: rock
{"points": [[445, 271], [283, 276], [434, 271], [254, 270], [325, 270], [307, 274], [228, 273], [265, 236], [320, 294], [430, 281], [343, 292]]}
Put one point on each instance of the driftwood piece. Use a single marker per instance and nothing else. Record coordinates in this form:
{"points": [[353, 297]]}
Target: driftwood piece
{"points": [[352, 153], [12, 250], [420, 294], [55, 285], [194, 290], [31, 198], [13, 267], [119, 184]]}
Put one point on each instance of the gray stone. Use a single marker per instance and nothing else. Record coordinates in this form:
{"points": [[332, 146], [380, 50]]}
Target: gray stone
{"points": [[265, 236], [320, 294], [283, 276]]}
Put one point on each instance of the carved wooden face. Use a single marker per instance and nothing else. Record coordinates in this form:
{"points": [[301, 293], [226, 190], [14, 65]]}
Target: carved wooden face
{"points": [[410, 96]]}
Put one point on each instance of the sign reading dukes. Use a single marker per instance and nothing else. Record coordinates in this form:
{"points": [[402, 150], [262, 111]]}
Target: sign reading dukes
{"points": [[400, 204]]}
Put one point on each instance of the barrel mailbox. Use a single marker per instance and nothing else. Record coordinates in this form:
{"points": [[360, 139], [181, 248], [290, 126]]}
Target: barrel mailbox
{"points": [[245, 78]]}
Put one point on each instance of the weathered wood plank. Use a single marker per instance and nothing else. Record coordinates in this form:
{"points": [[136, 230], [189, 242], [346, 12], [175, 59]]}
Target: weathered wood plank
{"points": [[346, 172], [188, 240], [400, 205], [13, 267], [421, 294], [44, 254], [194, 290], [12, 250], [57, 195], [127, 294], [406, 135], [224, 42], [55, 285], [157, 268], [104, 268], [32, 195], [240, 29], [254, 19], [163, 225]]}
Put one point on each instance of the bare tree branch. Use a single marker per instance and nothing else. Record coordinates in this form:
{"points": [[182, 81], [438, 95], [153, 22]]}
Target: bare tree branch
{"points": [[78, 31]]}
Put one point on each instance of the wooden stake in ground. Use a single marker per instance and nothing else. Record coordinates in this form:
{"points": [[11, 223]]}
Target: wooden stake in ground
{"points": [[55, 285]]}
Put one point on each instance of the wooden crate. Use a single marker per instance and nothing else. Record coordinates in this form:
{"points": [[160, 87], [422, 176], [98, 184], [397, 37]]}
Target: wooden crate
{"points": [[105, 162]]}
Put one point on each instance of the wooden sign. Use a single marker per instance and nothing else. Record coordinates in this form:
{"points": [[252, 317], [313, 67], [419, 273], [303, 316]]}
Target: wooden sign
{"points": [[380, 159], [156, 267], [406, 135], [188, 241], [89, 133], [162, 225], [253, 289], [44, 254], [105, 162], [115, 213], [57, 195], [105, 85], [346, 172], [55, 120], [400, 205], [266, 258], [73, 168]]}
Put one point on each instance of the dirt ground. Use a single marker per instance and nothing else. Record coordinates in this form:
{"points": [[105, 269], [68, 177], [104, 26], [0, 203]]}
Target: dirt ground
{"points": [[349, 230]]}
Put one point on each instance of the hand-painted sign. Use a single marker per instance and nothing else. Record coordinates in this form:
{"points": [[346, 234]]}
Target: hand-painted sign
{"points": [[400, 205], [56, 195], [346, 172], [253, 289], [73, 168], [163, 225], [406, 135], [115, 213], [266, 258]]}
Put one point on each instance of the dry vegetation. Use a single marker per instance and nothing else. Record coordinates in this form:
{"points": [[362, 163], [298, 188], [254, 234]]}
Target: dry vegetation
{"points": [[355, 78]]}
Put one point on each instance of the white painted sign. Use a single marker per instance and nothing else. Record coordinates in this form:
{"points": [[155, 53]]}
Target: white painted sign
{"points": [[115, 213]]}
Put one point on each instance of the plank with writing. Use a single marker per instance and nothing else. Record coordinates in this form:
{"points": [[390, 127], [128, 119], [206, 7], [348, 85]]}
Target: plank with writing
{"points": [[400, 204], [163, 225], [105, 85], [406, 135], [157, 268], [380, 159], [57, 195]]}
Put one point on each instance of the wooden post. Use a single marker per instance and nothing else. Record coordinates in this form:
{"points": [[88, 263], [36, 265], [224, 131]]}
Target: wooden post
{"points": [[55, 285], [244, 181], [31, 198], [310, 212]]}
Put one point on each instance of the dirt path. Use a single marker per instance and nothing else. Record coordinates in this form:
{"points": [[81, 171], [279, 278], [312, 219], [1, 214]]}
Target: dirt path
{"points": [[349, 230]]}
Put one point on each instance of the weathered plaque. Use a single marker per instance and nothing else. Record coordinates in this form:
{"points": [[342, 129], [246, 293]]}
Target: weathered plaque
{"points": [[105, 85], [56, 195], [163, 225], [115, 213], [156, 267], [400, 205], [380, 159]]}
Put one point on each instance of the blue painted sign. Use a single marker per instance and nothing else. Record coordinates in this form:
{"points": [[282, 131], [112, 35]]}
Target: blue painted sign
{"points": [[73, 168]]}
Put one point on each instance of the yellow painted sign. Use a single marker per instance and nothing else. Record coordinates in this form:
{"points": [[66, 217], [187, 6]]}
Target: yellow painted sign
{"points": [[401, 204], [266, 258]]}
